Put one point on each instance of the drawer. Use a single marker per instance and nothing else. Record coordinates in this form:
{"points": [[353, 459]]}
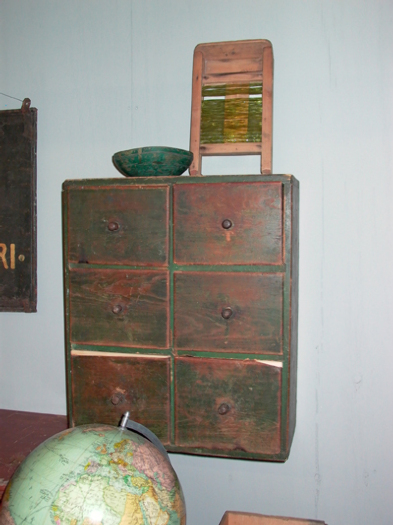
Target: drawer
{"points": [[125, 226], [105, 386], [228, 405], [119, 307], [228, 312], [228, 223]]}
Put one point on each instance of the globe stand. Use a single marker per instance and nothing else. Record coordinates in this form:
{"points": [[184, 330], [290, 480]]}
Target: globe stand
{"points": [[128, 424]]}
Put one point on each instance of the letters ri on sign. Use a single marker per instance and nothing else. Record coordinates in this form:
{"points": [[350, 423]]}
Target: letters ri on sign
{"points": [[3, 256]]}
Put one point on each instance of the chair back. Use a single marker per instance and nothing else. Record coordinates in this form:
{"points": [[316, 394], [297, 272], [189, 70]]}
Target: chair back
{"points": [[232, 98]]}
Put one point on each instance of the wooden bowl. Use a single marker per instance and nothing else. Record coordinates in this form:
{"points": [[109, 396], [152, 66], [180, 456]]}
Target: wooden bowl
{"points": [[155, 161]]}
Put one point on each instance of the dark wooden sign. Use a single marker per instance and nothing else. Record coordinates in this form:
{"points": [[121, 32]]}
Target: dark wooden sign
{"points": [[18, 216]]}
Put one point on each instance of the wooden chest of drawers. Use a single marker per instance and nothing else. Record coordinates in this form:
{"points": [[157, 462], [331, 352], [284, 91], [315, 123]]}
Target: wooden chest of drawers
{"points": [[181, 308]]}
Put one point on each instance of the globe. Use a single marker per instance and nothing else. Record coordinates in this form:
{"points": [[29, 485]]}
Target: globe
{"points": [[94, 475]]}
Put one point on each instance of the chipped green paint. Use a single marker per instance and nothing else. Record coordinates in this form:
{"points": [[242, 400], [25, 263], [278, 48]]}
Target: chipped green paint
{"points": [[228, 404], [104, 386], [189, 268]]}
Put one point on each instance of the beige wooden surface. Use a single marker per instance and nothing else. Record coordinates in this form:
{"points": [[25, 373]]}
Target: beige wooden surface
{"points": [[246, 518]]}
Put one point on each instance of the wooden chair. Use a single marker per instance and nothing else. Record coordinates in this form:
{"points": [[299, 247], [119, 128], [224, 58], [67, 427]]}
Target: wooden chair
{"points": [[232, 96]]}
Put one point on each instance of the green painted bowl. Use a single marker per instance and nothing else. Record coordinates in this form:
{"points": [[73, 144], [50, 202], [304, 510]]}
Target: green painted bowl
{"points": [[154, 161]]}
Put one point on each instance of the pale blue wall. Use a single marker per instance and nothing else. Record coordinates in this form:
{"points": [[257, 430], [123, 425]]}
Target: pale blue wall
{"points": [[107, 75]]}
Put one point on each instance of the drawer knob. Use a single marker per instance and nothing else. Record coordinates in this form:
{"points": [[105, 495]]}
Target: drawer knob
{"points": [[117, 308], [226, 224], [223, 409], [227, 312], [117, 399], [113, 226]]}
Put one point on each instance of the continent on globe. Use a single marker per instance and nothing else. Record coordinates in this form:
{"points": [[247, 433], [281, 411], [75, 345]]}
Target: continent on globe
{"points": [[94, 475]]}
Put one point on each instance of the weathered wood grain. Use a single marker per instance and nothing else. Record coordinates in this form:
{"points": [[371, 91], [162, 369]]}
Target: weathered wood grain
{"points": [[229, 312], [126, 307], [196, 112], [119, 225], [232, 62], [267, 112], [220, 311], [293, 255], [21, 433], [105, 387], [255, 232], [247, 518], [228, 405]]}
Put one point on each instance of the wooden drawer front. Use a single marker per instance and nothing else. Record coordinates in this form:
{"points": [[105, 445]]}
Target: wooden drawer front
{"points": [[253, 235], [118, 226], [229, 312], [228, 405], [106, 386], [124, 307]]}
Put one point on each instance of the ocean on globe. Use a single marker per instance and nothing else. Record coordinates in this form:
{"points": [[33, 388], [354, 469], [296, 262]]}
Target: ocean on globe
{"points": [[94, 475]]}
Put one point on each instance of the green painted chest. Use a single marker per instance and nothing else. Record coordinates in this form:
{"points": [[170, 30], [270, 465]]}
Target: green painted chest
{"points": [[181, 308]]}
